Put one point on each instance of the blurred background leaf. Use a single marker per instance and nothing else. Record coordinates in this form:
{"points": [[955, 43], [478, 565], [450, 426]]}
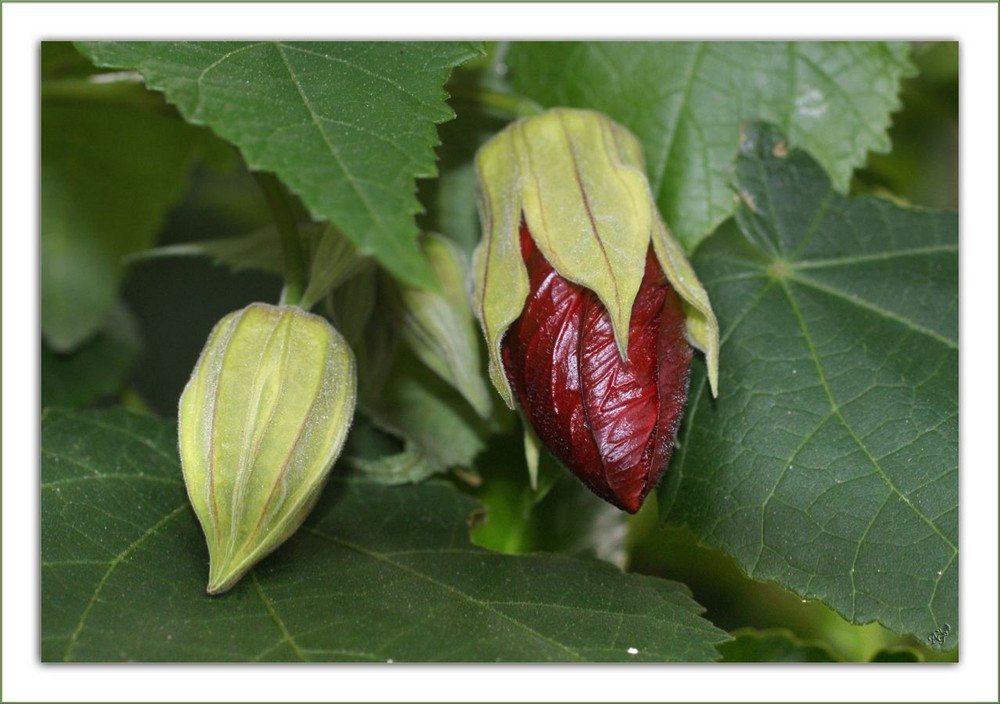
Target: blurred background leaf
{"points": [[922, 167], [95, 370], [109, 176], [776, 645]]}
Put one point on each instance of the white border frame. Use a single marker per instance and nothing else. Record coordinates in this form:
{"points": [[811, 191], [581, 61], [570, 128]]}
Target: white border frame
{"points": [[975, 26]]}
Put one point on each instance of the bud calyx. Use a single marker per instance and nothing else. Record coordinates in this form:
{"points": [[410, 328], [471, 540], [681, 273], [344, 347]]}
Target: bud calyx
{"points": [[261, 422], [577, 180], [588, 303]]}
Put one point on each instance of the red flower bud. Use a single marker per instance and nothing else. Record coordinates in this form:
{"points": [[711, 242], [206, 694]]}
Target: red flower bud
{"points": [[611, 422]]}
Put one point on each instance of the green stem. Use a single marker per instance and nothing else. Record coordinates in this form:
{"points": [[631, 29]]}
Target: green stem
{"points": [[120, 91], [291, 243], [510, 103]]}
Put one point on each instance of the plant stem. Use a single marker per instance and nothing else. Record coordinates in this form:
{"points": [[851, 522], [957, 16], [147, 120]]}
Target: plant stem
{"points": [[291, 243], [510, 103], [118, 89]]}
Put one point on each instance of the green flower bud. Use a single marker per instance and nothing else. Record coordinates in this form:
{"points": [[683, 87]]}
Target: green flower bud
{"points": [[261, 422], [578, 182], [438, 325]]}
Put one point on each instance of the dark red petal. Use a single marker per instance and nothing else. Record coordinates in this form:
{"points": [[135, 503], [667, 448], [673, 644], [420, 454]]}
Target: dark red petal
{"points": [[612, 423]]}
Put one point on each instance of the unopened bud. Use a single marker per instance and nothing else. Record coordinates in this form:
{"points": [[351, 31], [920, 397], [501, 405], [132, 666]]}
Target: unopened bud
{"points": [[587, 301], [261, 422]]}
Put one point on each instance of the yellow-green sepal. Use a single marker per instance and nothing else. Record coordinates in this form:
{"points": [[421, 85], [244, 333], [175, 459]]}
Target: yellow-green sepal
{"points": [[587, 203], [438, 325], [532, 453], [701, 325], [500, 285]]}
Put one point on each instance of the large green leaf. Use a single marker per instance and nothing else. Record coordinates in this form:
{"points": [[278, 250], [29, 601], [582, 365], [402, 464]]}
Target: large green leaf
{"points": [[348, 126], [109, 175], [686, 100], [376, 574], [829, 461]]}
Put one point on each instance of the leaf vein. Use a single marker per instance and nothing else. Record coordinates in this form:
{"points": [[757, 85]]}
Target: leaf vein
{"points": [[286, 637], [876, 309], [835, 406], [484, 605], [334, 153], [135, 545]]}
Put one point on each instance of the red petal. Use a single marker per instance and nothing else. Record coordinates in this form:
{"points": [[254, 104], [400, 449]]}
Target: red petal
{"points": [[612, 423]]}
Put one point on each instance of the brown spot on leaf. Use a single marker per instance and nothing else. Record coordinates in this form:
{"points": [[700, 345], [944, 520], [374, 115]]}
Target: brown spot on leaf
{"points": [[748, 199]]}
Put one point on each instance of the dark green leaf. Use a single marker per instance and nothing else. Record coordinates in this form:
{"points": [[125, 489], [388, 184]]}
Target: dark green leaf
{"points": [[348, 126], [829, 461], [96, 369], [686, 100], [376, 574], [259, 251], [773, 645], [109, 175], [333, 260]]}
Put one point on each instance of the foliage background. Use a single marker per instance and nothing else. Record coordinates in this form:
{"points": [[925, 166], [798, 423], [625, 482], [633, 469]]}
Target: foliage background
{"points": [[173, 302]]}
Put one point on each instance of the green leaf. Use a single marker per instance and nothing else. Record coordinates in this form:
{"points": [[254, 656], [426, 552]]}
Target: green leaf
{"points": [[376, 574], [95, 369], [348, 126], [686, 100], [829, 461], [773, 645], [109, 175], [332, 258], [259, 250]]}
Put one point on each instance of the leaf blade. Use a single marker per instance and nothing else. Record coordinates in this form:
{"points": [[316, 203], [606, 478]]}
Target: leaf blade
{"points": [[831, 458], [348, 126], [359, 583]]}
